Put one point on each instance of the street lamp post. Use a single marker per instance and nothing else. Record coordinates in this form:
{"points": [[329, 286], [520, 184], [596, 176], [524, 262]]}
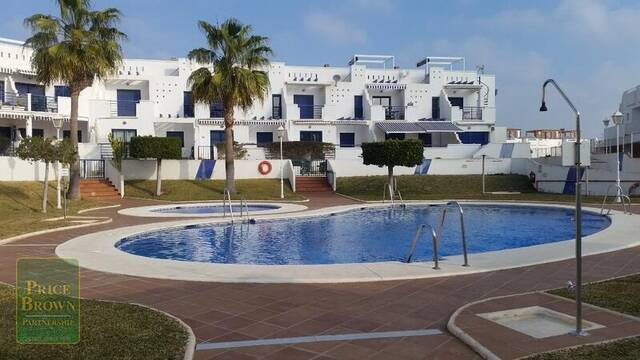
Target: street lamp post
{"points": [[280, 137], [617, 119], [578, 217]]}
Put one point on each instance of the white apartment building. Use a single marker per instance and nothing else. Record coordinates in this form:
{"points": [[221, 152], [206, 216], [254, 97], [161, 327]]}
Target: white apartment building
{"points": [[629, 131], [369, 99]]}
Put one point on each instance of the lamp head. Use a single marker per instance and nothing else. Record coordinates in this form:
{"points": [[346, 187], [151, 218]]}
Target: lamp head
{"points": [[543, 107], [617, 118]]}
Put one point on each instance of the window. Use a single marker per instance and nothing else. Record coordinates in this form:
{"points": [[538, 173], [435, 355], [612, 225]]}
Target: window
{"points": [[311, 136], [61, 90], [178, 135], [187, 110], [127, 100], [347, 139], [276, 106], [426, 138], [358, 112], [124, 134], [264, 138], [217, 137], [67, 134], [37, 132], [457, 101], [381, 100], [216, 110], [435, 108], [395, 136]]}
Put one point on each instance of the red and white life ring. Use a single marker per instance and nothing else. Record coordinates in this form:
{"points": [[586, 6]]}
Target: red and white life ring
{"points": [[264, 167]]}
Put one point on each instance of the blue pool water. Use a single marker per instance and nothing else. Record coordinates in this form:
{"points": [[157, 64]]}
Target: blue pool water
{"points": [[363, 235], [212, 209]]}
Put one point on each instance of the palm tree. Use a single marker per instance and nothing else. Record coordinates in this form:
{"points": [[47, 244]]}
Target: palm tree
{"points": [[76, 47], [238, 59]]}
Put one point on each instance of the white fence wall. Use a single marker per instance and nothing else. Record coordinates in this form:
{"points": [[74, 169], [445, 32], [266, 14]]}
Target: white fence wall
{"points": [[14, 169]]}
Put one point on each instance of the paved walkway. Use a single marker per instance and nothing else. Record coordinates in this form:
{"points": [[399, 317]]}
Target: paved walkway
{"points": [[228, 312]]}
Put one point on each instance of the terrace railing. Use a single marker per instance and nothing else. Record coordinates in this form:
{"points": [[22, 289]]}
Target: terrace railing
{"points": [[471, 113], [310, 167], [123, 108], [92, 169], [14, 100], [310, 111], [394, 112]]}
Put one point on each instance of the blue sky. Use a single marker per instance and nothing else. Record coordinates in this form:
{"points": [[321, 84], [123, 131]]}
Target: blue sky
{"points": [[591, 47]]}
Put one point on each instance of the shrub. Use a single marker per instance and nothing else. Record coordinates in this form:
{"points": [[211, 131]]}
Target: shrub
{"points": [[391, 153]]}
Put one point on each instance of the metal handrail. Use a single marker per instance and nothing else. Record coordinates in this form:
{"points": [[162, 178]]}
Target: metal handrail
{"points": [[224, 204], [387, 186], [626, 208], [462, 228], [244, 206], [414, 243]]}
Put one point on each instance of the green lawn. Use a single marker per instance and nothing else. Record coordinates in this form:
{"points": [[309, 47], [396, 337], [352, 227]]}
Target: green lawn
{"points": [[184, 190], [107, 331], [621, 295], [434, 187], [21, 208]]}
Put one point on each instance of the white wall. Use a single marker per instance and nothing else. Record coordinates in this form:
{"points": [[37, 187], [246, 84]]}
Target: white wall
{"points": [[14, 169], [187, 169]]}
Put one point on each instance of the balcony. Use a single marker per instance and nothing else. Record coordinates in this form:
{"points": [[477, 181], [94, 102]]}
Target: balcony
{"points": [[123, 108], [29, 102], [471, 113], [308, 112], [394, 112]]}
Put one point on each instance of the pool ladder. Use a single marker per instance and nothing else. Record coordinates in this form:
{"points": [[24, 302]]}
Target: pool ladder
{"points": [[626, 207], [388, 188], [437, 236], [244, 206]]}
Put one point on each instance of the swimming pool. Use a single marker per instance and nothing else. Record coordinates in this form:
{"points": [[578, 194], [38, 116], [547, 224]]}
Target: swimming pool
{"points": [[213, 209], [366, 235], [210, 209]]}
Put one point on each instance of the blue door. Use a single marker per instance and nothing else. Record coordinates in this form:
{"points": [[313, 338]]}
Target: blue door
{"points": [[358, 113], [474, 137], [347, 139], [305, 103], [216, 110], [62, 90], [127, 100], [311, 136], [187, 104]]}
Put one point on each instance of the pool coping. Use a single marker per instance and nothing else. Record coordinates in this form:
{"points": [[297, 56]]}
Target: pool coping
{"points": [[148, 211], [96, 251]]}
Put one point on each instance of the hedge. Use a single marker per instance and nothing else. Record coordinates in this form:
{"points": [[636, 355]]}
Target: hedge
{"points": [[393, 153], [151, 147]]}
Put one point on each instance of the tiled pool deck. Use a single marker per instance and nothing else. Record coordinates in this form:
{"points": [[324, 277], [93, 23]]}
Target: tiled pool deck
{"points": [[227, 312]]}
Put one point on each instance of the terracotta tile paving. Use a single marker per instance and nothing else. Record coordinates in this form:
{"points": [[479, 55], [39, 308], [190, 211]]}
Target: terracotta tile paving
{"points": [[508, 344], [223, 312]]}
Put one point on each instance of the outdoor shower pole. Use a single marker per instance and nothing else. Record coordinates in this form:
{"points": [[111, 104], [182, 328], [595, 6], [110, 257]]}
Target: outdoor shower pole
{"points": [[578, 217]]}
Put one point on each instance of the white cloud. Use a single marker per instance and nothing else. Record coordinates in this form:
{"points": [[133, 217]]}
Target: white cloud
{"points": [[334, 29], [592, 18]]}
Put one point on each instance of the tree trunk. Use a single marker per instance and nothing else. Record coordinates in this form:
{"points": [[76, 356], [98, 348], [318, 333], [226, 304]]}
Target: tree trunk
{"points": [[229, 155], [159, 178], [45, 191], [392, 183], [74, 169]]}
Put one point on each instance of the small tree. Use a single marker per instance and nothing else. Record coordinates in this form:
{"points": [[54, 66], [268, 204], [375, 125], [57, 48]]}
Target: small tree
{"points": [[158, 148], [392, 153], [117, 147], [47, 150]]}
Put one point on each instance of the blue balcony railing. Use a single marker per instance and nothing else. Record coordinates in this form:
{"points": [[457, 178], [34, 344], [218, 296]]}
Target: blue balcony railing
{"points": [[123, 107], [19, 101], [310, 111]]}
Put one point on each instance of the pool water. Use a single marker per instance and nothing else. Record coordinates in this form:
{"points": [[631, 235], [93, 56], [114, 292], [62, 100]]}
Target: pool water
{"points": [[363, 235], [213, 209]]}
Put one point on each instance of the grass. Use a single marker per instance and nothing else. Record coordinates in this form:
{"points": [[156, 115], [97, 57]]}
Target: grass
{"points": [[107, 331], [435, 187], [21, 208], [622, 295], [183, 190]]}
